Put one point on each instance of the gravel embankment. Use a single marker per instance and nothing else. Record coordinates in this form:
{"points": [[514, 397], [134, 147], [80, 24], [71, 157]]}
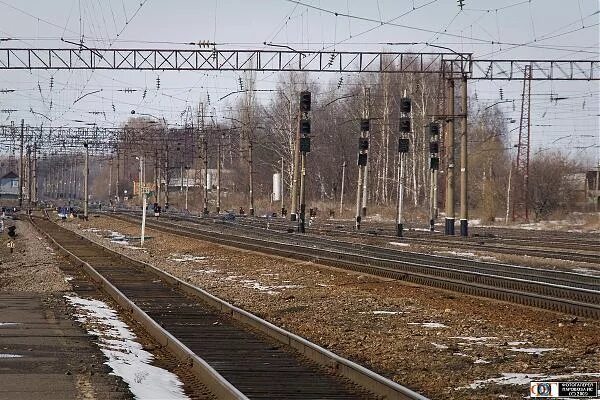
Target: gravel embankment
{"points": [[433, 341]]}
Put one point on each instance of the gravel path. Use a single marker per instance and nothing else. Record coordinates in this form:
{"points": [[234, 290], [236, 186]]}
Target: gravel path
{"points": [[33, 267], [442, 344]]}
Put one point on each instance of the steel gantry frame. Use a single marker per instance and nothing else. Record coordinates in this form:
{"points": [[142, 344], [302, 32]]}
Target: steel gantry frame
{"points": [[452, 66], [460, 64]]}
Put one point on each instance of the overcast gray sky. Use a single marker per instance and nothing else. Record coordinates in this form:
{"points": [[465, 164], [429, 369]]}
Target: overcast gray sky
{"points": [[547, 29]]}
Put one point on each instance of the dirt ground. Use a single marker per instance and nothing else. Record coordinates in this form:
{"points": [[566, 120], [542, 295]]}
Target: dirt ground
{"points": [[441, 344], [33, 265]]}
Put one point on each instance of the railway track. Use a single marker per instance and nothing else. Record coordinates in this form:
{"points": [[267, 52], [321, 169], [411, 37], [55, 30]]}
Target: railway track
{"points": [[584, 248], [239, 354], [559, 291]]}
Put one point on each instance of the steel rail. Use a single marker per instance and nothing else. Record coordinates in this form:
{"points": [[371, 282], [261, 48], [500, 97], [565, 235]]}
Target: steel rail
{"points": [[480, 284], [363, 377], [559, 277], [214, 381]]}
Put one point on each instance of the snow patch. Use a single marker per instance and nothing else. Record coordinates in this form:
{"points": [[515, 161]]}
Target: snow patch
{"points": [[532, 350], [126, 356], [206, 271], [400, 244], [186, 258], [381, 312], [429, 324], [9, 323], [272, 290], [439, 346], [480, 361], [10, 355], [587, 271], [474, 338], [68, 278]]}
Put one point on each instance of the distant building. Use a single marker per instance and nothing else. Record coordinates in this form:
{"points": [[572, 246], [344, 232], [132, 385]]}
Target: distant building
{"points": [[592, 186], [9, 186]]}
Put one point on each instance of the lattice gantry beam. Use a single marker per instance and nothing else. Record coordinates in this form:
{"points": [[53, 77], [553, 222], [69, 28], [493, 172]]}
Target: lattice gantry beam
{"points": [[233, 60], [541, 70], [450, 64]]}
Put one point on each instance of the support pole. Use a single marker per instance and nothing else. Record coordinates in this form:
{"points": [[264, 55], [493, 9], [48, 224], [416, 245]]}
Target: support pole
{"points": [[29, 173], [281, 189], [251, 177], [219, 151], [450, 160], [358, 197], [367, 115], [35, 193], [464, 206], [86, 175], [144, 202], [21, 166], [205, 145], [401, 179], [342, 188], [295, 176], [301, 225]]}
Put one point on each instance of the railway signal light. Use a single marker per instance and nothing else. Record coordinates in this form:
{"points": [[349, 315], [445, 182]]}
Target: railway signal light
{"points": [[12, 231], [363, 143], [403, 145], [434, 163], [434, 129], [304, 101], [404, 125], [434, 147], [405, 105], [362, 159], [365, 125], [305, 145], [305, 126]]}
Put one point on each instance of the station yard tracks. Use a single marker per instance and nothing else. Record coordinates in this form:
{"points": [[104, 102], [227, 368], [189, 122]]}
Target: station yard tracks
{"points": [[556, 290], [234, 353]]}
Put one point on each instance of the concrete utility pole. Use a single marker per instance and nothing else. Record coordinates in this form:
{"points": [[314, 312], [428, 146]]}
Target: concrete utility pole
{"points": [[21, 166], [342, 188], [35, 177], [449, 229], [117, 180], [219, 151], [205, 150], [361, 186], [464, 206], [29, 173], [110, 168], [281, 188], [206, 183], [86, 175], [366, 166], [295, 175], [251, 175]]}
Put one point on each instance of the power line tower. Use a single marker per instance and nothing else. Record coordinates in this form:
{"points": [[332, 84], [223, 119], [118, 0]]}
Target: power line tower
{"points": [[521, 179]]}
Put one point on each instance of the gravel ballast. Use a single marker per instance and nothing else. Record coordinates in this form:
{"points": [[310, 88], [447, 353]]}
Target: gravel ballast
{"points": [[442, 344]]}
